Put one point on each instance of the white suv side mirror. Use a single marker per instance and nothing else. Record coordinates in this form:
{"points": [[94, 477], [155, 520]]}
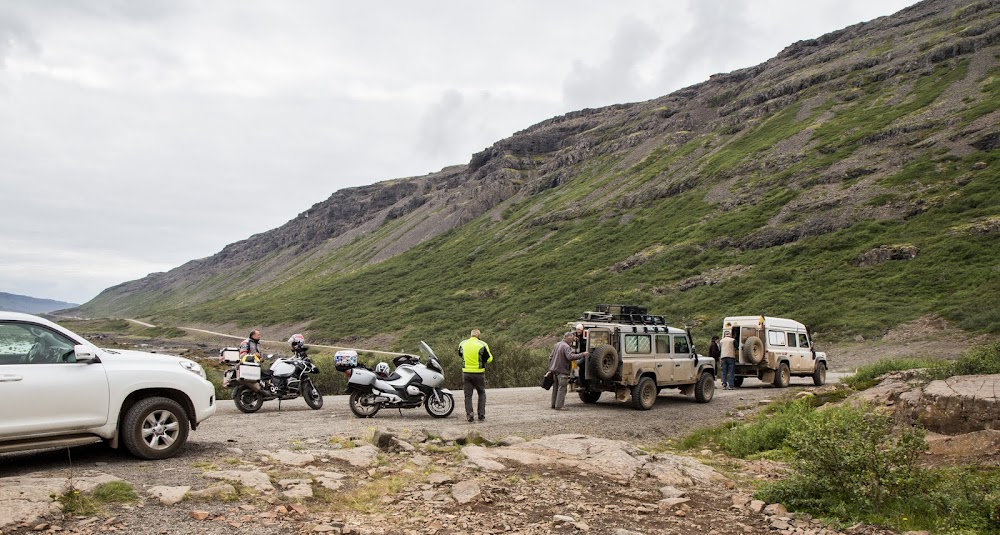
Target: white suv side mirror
{"points": [[84, 353]]}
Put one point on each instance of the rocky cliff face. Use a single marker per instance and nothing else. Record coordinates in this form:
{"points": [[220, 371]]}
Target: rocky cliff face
{"points": [[861, 92]]}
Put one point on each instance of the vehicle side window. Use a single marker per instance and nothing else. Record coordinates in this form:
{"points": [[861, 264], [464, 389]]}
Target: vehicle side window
{"points": [[32, 344], [681, 346], [803, 340], [791, 339], [662, 344], [775, 338], [637, 343]]}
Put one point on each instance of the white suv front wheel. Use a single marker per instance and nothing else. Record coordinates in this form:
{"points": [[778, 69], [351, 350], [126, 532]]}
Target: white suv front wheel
{"points": [[154, 428]]}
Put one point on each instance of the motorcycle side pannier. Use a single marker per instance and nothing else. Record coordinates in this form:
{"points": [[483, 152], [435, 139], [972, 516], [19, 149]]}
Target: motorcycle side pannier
{"points": [[345, 359], [248, 371]]}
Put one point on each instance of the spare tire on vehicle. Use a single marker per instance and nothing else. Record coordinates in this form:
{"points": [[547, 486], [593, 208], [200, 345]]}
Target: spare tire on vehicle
{"points": [[753, 350], [602, 362]]}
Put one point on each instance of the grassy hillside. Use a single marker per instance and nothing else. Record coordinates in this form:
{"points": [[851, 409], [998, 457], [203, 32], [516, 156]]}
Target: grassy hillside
{"points": [[772, 190]]}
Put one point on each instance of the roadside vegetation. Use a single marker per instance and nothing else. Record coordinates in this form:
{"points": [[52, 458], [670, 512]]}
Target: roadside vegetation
{"points": [[850, 462], [91, 503]]}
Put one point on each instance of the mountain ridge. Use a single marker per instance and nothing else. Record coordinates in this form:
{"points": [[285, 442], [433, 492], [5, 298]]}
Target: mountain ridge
{"points": [[864, 131], [31, 305]]}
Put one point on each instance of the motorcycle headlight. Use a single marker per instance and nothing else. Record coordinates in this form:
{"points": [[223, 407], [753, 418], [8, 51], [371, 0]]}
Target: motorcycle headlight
{"points": [[193, 367]]}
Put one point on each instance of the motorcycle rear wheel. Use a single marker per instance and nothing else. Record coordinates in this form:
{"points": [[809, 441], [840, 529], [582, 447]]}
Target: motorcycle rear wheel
{"points": [[247, 400], [440, 408], [311, 395], [361, 410]]}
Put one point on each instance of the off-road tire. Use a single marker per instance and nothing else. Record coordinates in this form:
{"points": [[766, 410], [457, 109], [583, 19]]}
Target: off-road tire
{"points": [[782, 376], [442, 408], [359, 410], [704, 389], [738, 381], [819, 376], [154, 428], [312, 396], [590, 396], [247, 400], [603, 362], [753, 350], [644, 394]]}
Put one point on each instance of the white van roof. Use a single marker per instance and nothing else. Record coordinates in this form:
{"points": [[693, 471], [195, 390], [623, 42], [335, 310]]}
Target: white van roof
{"points": [[769, 321]]}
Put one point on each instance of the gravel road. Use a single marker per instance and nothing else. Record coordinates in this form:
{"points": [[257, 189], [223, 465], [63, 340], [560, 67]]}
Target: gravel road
{"points": [[511, 411]]}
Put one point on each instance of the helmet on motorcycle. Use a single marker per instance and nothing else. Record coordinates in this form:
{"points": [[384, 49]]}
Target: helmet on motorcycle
{"points": [[296, 340], [382, 369]]}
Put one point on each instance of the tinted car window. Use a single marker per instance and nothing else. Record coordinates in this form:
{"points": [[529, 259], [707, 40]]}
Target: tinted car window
{"points": [[791, 339]]}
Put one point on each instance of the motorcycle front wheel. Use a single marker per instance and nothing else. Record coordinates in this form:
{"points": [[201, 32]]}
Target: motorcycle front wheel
{"points": [[363, 404], [311, 395], [247, 400], [441, 407]]}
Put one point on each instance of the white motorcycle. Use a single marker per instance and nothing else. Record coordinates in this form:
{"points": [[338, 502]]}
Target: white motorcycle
{"points": [[412, 384]]}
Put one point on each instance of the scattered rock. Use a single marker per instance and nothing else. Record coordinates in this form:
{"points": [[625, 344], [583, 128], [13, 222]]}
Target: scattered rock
{"points": [[168, 495], [199, 515], [466, 491], [775, 509], [218, 491]]}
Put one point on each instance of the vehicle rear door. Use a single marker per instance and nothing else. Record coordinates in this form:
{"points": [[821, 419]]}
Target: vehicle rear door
{"points": [[46, 390]]}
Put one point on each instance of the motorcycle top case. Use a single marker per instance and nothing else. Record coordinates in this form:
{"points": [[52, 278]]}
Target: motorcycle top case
{"points": [[345, 359], [248, 371], [229, 354]]}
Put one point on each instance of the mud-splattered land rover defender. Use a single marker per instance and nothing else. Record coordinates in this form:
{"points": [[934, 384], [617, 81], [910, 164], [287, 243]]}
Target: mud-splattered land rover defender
{"points": [[632, 353]]}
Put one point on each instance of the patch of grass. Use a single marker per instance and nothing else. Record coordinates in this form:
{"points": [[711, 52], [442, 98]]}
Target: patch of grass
{"points": [[92, 503], [161, 332], [867, 376], [367, 497], [981, 360]]}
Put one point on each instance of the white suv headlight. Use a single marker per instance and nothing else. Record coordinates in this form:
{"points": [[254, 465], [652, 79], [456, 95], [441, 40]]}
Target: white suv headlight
{"points": [[193, 367]]}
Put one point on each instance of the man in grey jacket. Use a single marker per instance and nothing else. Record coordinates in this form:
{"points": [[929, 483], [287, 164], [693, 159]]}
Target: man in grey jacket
{"points": [[559, 367]]}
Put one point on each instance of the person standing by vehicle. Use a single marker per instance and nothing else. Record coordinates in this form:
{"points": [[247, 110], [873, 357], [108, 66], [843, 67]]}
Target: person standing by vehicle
{"points": [[559, 368], [475, 356], [250, 348], [714, 352], [727, 352], [578, 346]]}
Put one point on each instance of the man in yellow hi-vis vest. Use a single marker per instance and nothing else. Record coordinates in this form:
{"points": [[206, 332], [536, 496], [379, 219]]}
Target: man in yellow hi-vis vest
{"points": [[475, 356]]}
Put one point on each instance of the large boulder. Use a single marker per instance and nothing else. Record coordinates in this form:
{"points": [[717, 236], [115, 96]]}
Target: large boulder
{"points": [[956, 405]]}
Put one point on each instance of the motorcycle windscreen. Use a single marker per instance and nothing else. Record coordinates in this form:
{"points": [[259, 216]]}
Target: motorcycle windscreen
{"points": [[427, 350]]}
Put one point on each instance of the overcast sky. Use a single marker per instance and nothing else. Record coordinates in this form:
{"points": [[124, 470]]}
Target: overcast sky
{"points": [[138, 135]]}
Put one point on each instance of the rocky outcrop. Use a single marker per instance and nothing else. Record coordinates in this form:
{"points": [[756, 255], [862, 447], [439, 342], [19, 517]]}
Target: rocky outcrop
{"points": [[961, 404], [885, 253]]}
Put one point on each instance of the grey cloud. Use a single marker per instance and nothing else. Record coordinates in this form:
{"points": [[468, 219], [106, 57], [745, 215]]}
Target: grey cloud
{"points": [[441, 126], [720, 31], [615, 79]]}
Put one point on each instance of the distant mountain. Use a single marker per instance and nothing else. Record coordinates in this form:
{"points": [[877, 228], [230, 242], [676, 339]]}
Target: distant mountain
{"points": [[851, 182], [31, 305]]}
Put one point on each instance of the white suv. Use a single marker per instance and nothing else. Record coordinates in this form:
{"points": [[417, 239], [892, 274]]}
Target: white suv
{"points": [[59, 390]]}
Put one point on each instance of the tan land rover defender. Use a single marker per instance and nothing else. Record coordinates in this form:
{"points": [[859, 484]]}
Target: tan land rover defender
{"points": [[632, 353], [774, 350]]}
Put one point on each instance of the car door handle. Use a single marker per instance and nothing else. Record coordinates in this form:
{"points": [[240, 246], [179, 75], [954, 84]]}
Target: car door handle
{"points": [[10, 378]]}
